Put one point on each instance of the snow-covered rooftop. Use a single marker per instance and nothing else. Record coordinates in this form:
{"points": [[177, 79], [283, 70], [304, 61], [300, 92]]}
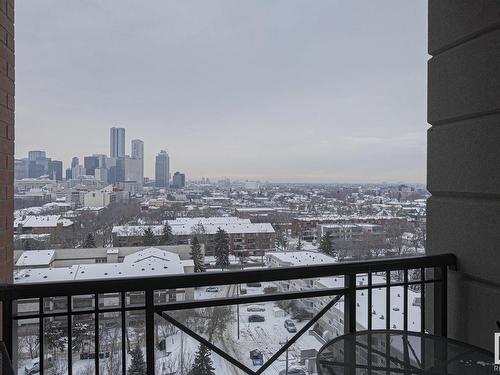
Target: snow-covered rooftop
{"points": [[34, 258], [186, 226], [301, 258], [42, 221], [148, 262]]}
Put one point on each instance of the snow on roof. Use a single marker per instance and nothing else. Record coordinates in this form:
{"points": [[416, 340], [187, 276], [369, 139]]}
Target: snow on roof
{"points": [[301, 258], [255, 209], [230, 228], [31, 236], [345, 218], [151, 253], [35, 258], [193, 221], [187, 226], [42, 221], [147, 262]]}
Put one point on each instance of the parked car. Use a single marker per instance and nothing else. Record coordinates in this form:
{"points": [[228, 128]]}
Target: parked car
{"points": [[35, 369], [212, 289], [254, 285], [256, 318], [293, 371], [256, 357], [256, 308], [290, 326]]}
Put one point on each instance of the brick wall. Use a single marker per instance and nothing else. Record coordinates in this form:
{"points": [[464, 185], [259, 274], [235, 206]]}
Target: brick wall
{"points": [[6, 137]]}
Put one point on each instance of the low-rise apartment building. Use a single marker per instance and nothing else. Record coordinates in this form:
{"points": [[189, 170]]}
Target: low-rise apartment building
{"points": [[41, 224], [245, 238]]}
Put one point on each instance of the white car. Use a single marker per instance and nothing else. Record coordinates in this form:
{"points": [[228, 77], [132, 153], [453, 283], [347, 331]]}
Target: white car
{"points": [[256, 308]]}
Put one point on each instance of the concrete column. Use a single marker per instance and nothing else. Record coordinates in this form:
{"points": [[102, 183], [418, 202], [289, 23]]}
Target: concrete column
{"points": [[463, 160]]}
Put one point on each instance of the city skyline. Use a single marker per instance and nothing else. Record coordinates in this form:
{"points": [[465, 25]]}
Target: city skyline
{"points": [[246, 92]]}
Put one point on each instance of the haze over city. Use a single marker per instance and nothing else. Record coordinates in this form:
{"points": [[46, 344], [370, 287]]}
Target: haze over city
{"points": [[320, 91]]}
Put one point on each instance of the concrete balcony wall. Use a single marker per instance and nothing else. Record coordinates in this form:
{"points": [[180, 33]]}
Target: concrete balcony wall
{"points": [[463, 165]]}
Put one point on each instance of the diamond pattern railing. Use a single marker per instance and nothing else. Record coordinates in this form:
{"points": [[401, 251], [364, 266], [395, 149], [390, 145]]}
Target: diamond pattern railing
{"points": [[65, 324]]}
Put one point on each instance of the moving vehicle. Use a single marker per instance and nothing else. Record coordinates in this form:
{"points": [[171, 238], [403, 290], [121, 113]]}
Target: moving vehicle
{"points": [[256, 318], [290, 326], [212, 289]]}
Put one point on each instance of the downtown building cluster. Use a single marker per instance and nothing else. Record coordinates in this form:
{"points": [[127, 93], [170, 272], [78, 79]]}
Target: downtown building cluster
{"points": [[106, 176]]}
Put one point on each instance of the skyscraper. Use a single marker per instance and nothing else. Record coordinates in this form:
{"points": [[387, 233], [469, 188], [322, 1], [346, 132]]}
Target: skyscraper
{"points": [[133, 170], [162, 169], [91, 163], [137, 152], [117, 142], [137, 147], [38, 164], [56, 170], [34, 155], [75, 162], [178, 180]]}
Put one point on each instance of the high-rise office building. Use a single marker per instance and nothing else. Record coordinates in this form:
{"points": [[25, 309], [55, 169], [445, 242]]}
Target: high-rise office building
{"points": [[75, 162], [21, 169], [179, 180], [35, 155], [56, 170], [91, 163], [38, 164], [162, 169], [137, 147], [117, 142], [137, 152], [133, 170], [102, 159]]}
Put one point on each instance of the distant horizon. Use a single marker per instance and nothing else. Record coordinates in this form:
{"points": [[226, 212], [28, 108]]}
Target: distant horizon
{"points": [[281, 90]]}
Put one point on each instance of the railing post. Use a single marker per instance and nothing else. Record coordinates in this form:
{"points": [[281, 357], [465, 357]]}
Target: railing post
{"points": [[7, 326], [350, 303], [441, 302], [150, 339]]}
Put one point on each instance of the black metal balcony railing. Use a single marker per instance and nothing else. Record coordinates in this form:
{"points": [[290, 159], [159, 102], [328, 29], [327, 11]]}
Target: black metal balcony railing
{"points": [[432, 270]]}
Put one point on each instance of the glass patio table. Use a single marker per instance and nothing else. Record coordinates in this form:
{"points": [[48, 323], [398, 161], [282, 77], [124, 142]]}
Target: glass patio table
{"points": [[378, 352]]}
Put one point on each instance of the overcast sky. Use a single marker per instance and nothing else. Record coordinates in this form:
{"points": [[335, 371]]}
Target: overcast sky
{"points": [[278, 90]]}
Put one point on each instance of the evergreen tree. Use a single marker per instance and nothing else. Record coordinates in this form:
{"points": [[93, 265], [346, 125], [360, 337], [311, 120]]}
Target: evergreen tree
{"points": [[138, 364], [55, 335], [89, 241], [325, 245], [203, 364], [197, 256], [221, 248], [166, 236], [27, 245], [148, 238], [281, 240], [299, 244]]}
